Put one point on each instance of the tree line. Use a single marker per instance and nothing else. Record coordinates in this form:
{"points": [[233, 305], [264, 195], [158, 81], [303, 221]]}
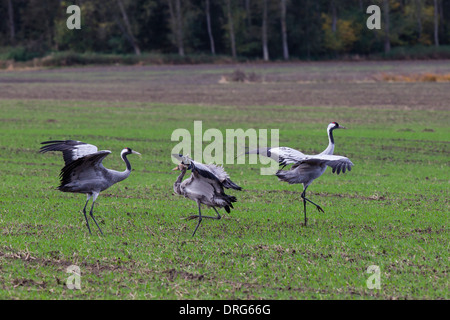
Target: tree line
{"points": [[267, 29]]}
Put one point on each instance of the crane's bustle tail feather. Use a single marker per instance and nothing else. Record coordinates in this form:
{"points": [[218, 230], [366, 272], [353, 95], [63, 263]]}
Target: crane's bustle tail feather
{"points": [[289, 176], [231, 185]]}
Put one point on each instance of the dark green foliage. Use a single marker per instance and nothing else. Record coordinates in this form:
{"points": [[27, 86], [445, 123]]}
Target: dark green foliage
{"points": [[40, 28]]}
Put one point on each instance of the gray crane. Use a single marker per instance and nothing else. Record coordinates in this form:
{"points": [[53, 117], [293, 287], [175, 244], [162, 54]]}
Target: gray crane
{"points": [[307, 168], [84, 172], [205, 186]]}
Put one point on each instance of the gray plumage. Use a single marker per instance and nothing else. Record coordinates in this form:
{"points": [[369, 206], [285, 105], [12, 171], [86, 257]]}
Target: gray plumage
{"points": [[307, 168], [84, 171], [205, 186]]}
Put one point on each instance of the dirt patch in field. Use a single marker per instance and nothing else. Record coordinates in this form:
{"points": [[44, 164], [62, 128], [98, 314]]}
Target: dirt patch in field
{"points": [[61, 263], [173, 274], [28, 283], [351, 84]]}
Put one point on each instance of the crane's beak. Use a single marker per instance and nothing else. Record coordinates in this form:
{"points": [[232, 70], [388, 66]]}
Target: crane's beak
{"points": [[341, 127], [135, 152], [180, 167]]}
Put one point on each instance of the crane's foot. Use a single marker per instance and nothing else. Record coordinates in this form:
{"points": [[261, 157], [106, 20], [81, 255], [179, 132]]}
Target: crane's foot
{"points": [[196, 216], [320, 209], [191, 217]]}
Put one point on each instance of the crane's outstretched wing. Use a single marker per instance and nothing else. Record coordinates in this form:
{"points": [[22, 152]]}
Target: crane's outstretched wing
{"points": [[223, 177], [216, 175], [283, 155], [79, 172], [71, 149], [203, 173], [337, 163]]}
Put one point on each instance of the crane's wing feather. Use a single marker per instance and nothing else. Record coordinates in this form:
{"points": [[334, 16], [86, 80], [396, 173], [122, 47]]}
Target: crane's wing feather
{"points": [[337, 163], [71, 149], [204, 170], [215, 175], [283, 155], [201, 172], [87, 168], [223, 176]]}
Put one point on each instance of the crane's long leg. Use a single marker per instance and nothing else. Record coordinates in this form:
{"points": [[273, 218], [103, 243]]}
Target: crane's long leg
{"points": [[91, 213], [199, 219], [218, 215], [304, 208], [306, 199], [317, 206], [84, 211]]}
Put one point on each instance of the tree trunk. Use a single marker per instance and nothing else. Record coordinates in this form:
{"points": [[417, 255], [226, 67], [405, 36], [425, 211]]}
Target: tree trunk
{"points": [[248, 13], [264, 32], [130, 37], [387, 41], [231, 27], [208, 23], [334, 16], [436, 24], [179, 28], [419, 17], [173, 22], [12, 29], [284, 31], [307, 31], [176, 25]]}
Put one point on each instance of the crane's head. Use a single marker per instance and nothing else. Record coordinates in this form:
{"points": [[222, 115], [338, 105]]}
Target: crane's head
{"points": [[335, 125], [185, 162], [128, 151]]}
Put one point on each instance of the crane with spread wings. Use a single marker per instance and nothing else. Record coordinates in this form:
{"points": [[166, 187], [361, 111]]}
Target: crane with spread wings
{"points": [[84, 172], [205, 186], [306, 168]]}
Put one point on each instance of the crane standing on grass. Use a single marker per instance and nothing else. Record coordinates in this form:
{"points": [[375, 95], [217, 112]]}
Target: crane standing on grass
{"points": [[205, 186], [307, 168], [84, 172]]}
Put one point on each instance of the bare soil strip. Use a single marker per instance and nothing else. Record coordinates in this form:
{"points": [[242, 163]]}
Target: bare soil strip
{"points": [[353, 84]]}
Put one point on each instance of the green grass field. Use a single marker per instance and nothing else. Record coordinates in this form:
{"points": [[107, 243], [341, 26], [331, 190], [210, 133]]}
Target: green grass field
{"points": [[391, 210]]}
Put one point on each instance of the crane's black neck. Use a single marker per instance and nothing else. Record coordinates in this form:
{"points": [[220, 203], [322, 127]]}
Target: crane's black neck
{"points": [[330, 135], [124, 158], [330, 148]]}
